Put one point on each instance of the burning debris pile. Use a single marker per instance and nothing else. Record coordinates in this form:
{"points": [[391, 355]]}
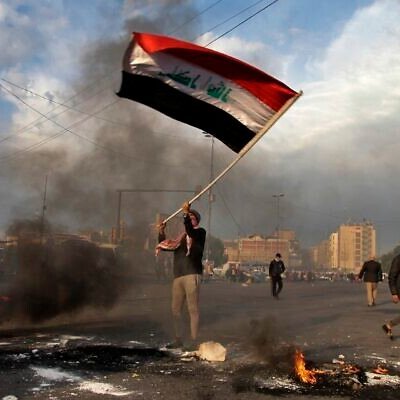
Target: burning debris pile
{"points": [[336, 378], [56, 275], [76, 359], [338, 372]]}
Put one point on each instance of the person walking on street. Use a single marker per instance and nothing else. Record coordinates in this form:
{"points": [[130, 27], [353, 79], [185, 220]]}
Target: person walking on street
{"points": [[371, 273], [276, 269], [188, 251], [394, 287]]}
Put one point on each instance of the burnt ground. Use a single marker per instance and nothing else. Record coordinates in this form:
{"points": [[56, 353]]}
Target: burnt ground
{"points": [[120, 353]]}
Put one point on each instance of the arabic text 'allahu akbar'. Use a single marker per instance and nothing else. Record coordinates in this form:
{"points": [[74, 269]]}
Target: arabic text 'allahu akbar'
{"points": [[218, 91]]}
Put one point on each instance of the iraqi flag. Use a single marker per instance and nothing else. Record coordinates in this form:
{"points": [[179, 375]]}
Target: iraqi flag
{"points": [[214, 92]]}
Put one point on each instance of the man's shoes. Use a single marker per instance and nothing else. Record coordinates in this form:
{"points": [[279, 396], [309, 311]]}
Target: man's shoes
{"points": [[388, 331], [176, 344]]}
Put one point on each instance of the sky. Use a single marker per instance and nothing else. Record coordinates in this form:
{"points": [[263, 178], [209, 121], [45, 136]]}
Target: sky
{"points": [[333, 155]]}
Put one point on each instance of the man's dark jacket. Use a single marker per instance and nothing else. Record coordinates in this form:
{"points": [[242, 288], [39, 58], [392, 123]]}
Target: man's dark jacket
{"points": [[192, 263], [276, 268], [394, 276], [371, 271]]}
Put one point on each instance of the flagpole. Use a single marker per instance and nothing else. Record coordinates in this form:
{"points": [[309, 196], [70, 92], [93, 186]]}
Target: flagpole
{"points": [[244, 150]]}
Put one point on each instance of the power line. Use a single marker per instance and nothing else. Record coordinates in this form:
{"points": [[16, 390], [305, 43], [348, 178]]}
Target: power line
{"points": [[229, 19], [93, 115], [32, 124], [194, 17], [58, 103], [242, 22], [65, 129], [37, 120], [240, 229], [89, 86]]}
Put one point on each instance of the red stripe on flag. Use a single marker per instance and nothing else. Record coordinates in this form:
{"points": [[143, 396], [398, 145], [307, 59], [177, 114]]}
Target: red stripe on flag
{"points": [[269, 90]]}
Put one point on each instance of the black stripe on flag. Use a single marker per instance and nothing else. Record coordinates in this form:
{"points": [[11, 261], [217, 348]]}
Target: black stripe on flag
{"points": [[185, 108]]}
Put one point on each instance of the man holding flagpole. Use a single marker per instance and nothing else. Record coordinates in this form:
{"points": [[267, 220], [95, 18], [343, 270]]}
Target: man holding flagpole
{"points": [[188, 251], [231, 100]]}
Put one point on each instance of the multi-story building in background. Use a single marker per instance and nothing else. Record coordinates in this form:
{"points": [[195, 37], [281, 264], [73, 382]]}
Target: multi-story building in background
{"points": [[323, 255], [334, 250], [347, 248], [356, 244], [260, 249]]}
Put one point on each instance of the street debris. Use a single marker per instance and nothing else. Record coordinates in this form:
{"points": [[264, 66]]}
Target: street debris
{"points": [[211, 351]]}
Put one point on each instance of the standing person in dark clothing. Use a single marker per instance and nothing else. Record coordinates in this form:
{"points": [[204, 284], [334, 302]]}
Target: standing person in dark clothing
{"points": [[371, 271], [394, 286], [187, 270], [276, 269]]}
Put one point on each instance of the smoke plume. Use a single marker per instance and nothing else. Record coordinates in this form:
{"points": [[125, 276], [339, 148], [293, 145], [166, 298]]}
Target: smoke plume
{"points": [[54, 276]]}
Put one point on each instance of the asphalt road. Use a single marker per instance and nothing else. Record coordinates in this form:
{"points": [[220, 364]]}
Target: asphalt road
{"points": [[102, 354]]}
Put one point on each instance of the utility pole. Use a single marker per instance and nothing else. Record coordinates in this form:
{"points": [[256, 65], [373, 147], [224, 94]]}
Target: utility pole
{"points": [[43, 210], [118, 226], [210, 199], [277, 197], [238, 240]]}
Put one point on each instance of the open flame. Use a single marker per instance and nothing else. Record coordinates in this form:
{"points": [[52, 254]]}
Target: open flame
{"points": [[312, 375], [381, 370], [304, 374], [351, 369]]}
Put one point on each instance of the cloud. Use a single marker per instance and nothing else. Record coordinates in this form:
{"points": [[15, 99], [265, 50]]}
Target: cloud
{"points": [[354, 95], [128, 147], [256, 53], [332, 154], [343, 134]]}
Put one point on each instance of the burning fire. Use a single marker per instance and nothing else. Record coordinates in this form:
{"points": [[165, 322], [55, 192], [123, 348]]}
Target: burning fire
{"points": [[311, 376], [304, 374], [380, 370], [351, 369]]}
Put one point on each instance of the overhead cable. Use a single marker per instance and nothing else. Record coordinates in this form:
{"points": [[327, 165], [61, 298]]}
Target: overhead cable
{"points": [[242, 22]]}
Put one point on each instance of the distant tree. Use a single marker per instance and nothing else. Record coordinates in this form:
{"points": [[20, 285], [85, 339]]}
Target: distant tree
{"points": [[387, 258], [217, 251]]}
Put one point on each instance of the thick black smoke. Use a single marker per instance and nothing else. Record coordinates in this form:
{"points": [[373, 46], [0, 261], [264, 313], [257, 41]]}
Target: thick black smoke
{"points": [[132, 147], [128, 148], [55, 276]]}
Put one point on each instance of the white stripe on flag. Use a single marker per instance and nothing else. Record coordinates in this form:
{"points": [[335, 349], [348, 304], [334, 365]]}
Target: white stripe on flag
{"points": [[201, 84]]}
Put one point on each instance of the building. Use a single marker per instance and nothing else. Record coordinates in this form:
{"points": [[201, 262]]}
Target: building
{"points": [[231, 249], [347, 248], [356, 244], [311, 255], [287, 234], [256, 249], [323, 255], [334, 250]]}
